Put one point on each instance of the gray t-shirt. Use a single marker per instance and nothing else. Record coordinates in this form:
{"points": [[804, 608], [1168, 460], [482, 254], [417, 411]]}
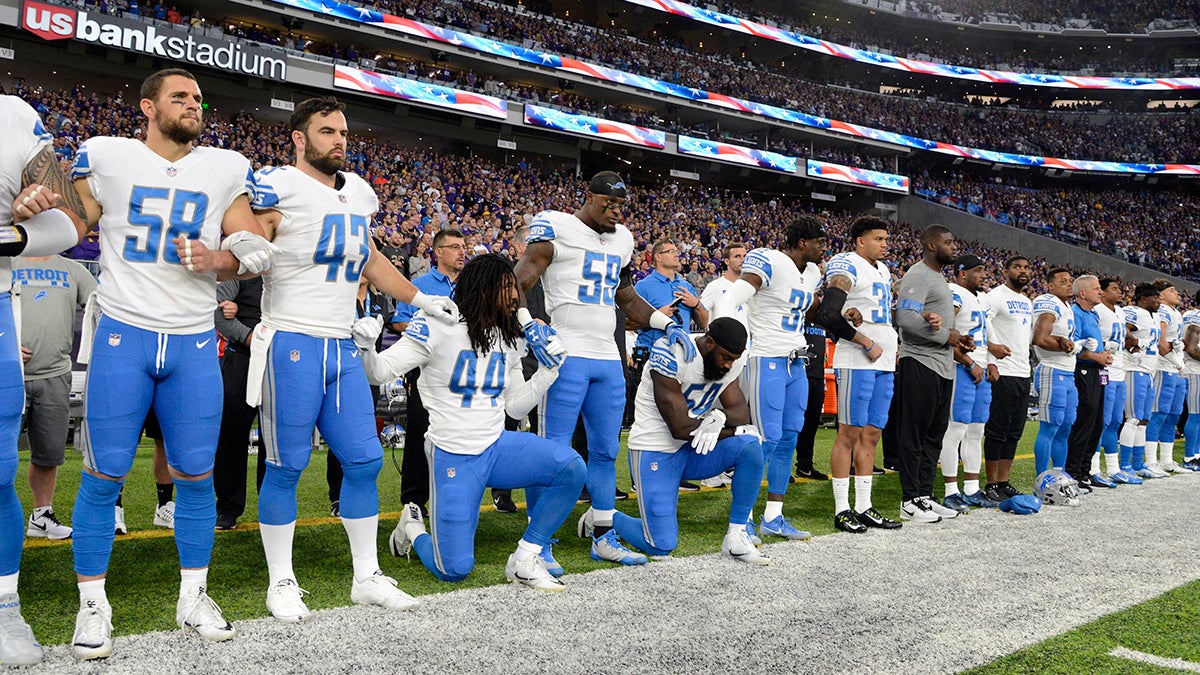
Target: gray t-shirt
{"points": [[925, 290], [50, 291]]}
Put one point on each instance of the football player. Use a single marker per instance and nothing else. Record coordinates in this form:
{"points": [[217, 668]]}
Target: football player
{"points": [[1141, 340], [1054, 377]]}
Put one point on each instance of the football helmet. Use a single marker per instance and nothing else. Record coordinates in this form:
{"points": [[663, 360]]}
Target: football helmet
{"points": [[1055, 487]]}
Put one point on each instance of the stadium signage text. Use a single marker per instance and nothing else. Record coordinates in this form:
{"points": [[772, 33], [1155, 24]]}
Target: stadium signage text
{"points": [[51, 22]]}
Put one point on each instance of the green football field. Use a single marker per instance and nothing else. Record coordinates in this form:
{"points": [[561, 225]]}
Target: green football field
{"points": [[143, 581]]}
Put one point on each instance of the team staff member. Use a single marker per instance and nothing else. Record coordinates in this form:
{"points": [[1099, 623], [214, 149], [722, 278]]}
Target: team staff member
{"points": [[229, 468], [1089, 421], [1010, 312], [815, 370]]}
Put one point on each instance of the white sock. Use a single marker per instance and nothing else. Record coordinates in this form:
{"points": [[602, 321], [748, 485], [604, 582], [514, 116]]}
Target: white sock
{"points": [[1112, 462], [1128, 434], [8, 583], [602, 517], [841, 494], [1151, 449], [772, 511], [970, 487], [526, 550], [1166, 452], [952, 488], [1095, 463], [190, 580], [734, 528], [363, 533], [862, 493], [92, 590], [277, 548]]}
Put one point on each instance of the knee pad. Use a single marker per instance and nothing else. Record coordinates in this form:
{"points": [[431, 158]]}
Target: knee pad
{"points": [[363, 472], [573, 474]]}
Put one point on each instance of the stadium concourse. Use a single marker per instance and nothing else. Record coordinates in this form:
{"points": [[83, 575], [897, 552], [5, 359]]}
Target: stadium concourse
{"points": [[832, 604]]}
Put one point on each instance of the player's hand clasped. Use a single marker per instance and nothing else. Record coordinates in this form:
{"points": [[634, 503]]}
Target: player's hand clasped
{"points": [[194, 255], [254, 253], [437, 306], [677, 334], [542, 340], [33, 200], [366, 332], [705, 436]]}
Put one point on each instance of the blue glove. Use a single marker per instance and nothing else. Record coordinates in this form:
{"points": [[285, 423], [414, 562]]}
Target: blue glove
{"points": [[1021, 505], [677, 334], [541, 340]]}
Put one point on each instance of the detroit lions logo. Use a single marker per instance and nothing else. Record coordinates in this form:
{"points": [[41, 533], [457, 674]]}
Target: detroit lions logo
{"points": [[42, 295]]}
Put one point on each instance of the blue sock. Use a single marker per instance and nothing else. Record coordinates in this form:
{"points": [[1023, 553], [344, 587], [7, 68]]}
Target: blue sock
{"points": [[779, 463], [360, 489], [277, 497], [195, 521], [1043, 446], [630, 529], [12, 530], [423, 545], [92, 523], [1127, 457], [556, 503], [1139, 457], [1191, 435], [747, 481]]}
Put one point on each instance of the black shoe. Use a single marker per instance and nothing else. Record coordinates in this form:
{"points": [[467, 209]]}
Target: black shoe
{"points": [[226, 522], [1009, 491], [585, 498], [878, 471], [846, 521], [1085, 486], [621, 494], [502, 500], [335, 509], [891, 468], [873, 518], [686, 486], [995, 492], [811, 474]]}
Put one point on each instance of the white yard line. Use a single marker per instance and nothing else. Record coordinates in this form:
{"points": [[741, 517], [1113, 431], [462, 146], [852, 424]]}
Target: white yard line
{"points": [[1143, 657]]}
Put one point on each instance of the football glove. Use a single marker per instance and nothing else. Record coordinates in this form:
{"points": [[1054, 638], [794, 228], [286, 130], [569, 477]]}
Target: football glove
{"points": [[436, 306], [677, 334], [254, 253], [366, 331], [704, 437], [748, 430], [1022, 505], [542, 340]]}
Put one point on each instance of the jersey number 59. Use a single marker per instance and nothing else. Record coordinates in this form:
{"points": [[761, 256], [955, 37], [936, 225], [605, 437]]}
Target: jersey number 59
{"points": [[604, 277]]}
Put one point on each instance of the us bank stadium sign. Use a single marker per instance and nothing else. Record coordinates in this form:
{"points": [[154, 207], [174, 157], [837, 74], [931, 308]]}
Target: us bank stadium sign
{"points": [[51, 22]]}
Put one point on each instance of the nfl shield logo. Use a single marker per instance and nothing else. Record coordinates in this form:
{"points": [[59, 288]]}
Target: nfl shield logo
{"points": [[295, 355], [450, 472], [654, 466], [342, 198], [172, 172], [114, 339]]}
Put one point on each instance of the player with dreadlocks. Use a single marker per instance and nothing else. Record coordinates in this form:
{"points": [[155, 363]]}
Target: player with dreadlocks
{"points": [[470, 377]]}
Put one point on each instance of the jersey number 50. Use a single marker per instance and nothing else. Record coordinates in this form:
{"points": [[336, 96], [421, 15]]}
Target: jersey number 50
{"points": [[604, 280], [186, 218]]}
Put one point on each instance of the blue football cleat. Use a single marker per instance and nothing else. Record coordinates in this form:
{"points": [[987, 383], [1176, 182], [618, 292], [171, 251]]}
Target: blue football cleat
{"points": [[608, 547], [1145, 473], [980, 500], [753, 534], [956, 502], [1100, 479], [552, 566], [1131, 477], [780, 527]]}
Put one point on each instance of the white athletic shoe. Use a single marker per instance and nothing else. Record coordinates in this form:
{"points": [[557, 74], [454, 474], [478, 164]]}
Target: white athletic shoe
{"points": [[93, 631], [585, 528], [47, 525], [121, 529], [379, 589], [18, 646], [164, 516], [919, 511], [285, 601], [944, 511], [1155, 469], [399, 541], [532, 573], [737, 545], [718, 481], [1171, 466], [197, 611]]}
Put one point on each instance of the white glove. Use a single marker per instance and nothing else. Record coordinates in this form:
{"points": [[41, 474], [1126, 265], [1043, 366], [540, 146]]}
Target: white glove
{"points": [[254, 253], [748, 430], [704, 437], [1091, 344], [366, 331], [1078, 348], [1112, 346], [1177, 347], [436, 306]]}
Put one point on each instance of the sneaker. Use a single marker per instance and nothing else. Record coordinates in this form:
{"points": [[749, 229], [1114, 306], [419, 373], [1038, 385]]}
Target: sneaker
{"points": [[873, 518], [380, 589], [938, 509], [718, 481], [919, 511], [399, 542], [532, 572], [1158, 471], [846, 521], [502, 500], [335, 508], [1145, 473], [1171, 467], [46, 525], [780, 527], [811, 474], [688, 486], [285, 601], [226, 521], [955, 502], [738, 546], [1100, 480], [1131, 477], [1190, 465], [620, 495], [120, 527], [981, 500], [584, 527], [18, 646], [552, 566], [995, 492], [197, 611], [1009, 491], [93, 631], [752, 533], [877, 471], [585, 498], [164, 516], [608, 547]]}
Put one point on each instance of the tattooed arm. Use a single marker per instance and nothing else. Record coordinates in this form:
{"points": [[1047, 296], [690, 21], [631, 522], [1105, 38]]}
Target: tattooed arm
{"points": [[43, 173]]}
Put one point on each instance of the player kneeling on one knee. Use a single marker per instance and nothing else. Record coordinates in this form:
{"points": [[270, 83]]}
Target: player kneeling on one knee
{"points": [[470, 377], [680, 433]]}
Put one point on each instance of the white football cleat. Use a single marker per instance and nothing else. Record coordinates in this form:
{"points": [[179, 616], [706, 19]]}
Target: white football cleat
{"points": [[737, 545], [532, 572], [1171, 466], [1155, 469], [285, 601], [379, 589], [399, 542], [585, 528], [164, 516], [196, 611], [18, 646], [120, 524], [93, 631]]}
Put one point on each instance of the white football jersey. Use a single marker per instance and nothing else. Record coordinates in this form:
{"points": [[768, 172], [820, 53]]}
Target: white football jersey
{"points": [[1173, 332], [1011, 316], [1190, 318], [713, 292], [971, 319], [1112, 327], [871, 294], [147, 201], [581, 281], [24, 137], [1145, 330], [324, 240], [1064, 326], [777, 310], [650, 430]]}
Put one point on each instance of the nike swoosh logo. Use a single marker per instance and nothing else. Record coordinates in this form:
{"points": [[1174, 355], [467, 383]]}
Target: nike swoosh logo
{"points": [[201, 345], [354, 355]]}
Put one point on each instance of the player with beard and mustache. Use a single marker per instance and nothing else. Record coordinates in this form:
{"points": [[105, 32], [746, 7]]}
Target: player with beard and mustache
{"points": [[679, 433], [1010, 332], [162, 207], [304, 367]]}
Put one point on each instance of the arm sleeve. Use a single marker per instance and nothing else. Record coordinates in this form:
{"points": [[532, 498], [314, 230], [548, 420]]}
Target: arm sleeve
{"points": [[395, 361], [829, 314], [521, 396], [738, 294]]}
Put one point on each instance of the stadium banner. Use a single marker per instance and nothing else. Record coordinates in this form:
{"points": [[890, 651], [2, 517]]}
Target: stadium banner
{"points": [[550, 118], [375, 18], [466, 102], [51, 22], [736, 154], [852, 176], [761, 30]]}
